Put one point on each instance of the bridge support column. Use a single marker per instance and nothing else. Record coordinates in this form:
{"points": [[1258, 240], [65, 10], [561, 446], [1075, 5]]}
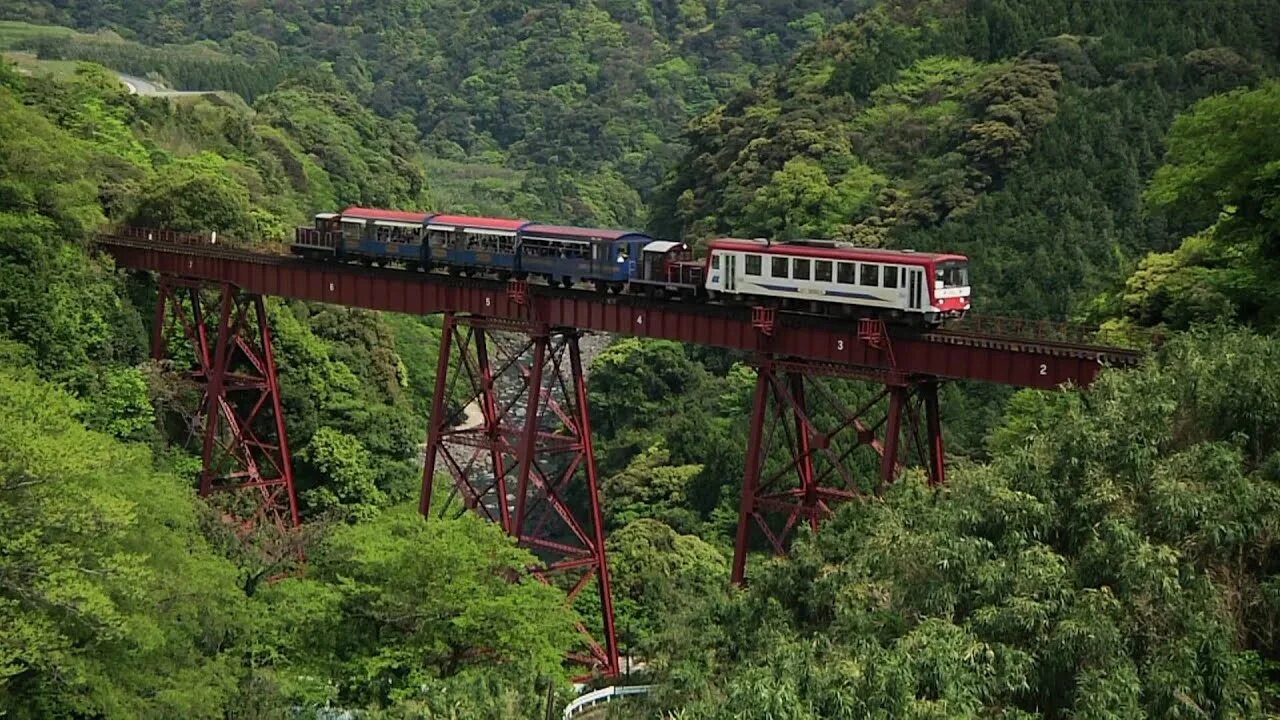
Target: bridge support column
{"points": [[519, 453], [803, 447], [245, 462]]}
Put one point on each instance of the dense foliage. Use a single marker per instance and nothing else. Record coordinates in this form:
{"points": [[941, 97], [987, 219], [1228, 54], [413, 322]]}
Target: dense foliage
{"points": [[1119, 560], [1100, 554], [1222, 176], [1021, 134], [588, 97], [121, 594]]}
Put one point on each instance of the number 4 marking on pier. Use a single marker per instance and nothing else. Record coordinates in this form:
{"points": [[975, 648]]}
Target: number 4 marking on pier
{"points": [[639, 319]]}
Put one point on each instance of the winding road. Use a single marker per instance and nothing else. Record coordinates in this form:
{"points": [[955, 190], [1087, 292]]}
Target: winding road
{"points": [[140, 86]]}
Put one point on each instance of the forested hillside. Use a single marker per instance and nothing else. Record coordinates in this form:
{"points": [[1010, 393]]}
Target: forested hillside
{"points": [[588, 97], [1020, 133], [121, 594], [1109, 553]]}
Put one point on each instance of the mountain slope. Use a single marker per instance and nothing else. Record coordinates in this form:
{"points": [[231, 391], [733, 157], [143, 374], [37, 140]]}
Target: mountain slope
{"points": [[1019, 133]]}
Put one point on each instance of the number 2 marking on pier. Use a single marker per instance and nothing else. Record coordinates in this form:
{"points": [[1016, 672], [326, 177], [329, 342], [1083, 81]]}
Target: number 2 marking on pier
{"points": [[1044, 369]]}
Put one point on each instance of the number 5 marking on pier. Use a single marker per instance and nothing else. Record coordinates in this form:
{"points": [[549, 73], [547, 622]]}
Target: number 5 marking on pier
{"points": [[488, 301]]}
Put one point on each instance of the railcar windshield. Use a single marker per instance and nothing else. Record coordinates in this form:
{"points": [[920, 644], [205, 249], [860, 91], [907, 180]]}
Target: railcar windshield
{"points": [[952, 274]]}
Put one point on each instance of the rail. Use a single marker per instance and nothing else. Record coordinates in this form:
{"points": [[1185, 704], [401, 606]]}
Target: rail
{"points": [[1007, 328], [602, 696]]}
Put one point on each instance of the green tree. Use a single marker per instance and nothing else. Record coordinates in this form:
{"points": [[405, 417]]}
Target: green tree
{"points": [[196, 194], [348, 484], [1221, 172], [414, 612], [112, 603], [658, 574], [650, 487]]}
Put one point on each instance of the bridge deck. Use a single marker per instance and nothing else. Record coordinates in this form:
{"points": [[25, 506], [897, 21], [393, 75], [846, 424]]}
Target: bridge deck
{"points": [[953, 354]]}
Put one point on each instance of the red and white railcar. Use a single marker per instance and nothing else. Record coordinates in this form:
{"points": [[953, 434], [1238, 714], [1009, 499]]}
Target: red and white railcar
{"points": [[825, 276]]}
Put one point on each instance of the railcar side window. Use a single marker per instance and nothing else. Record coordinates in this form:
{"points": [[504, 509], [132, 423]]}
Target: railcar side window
{"points": [[779, 269], [845, 274], [753, 265], [870, 275], [890, 276], [822, 270], [800, 269], [715, 262]]}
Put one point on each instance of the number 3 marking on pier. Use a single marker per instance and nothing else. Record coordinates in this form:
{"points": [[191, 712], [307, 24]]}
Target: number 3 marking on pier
{"points": [[1044, 369], [839, 345]]}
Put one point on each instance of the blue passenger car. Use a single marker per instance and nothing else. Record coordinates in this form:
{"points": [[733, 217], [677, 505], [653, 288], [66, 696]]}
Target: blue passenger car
{"points": [[474, 244], [383, 235], [568, 255]]}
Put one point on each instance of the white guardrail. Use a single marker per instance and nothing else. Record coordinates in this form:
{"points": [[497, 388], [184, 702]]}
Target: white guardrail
{"points": [[601, 696]]}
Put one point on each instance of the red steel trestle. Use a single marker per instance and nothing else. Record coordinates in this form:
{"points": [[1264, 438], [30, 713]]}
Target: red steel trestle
{"points": [[244, 447], [520, 454], [803, 442]]}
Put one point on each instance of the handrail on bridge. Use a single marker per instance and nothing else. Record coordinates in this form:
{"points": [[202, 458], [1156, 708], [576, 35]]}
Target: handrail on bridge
{"points": [[601, 696]]}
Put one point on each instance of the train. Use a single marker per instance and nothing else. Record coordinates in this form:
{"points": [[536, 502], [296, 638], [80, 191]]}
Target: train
{"points": [[814, 276]]}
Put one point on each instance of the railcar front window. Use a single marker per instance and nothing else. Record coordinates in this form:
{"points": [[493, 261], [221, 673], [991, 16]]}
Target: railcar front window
{"points": [[952, 274]]}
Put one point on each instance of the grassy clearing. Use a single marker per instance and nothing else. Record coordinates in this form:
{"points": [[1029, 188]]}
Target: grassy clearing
{"points": [[29, 64], [13, 33], [460, 186]]}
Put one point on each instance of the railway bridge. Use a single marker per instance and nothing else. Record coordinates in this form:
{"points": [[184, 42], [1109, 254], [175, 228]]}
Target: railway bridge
{"points": [[531, 451]]}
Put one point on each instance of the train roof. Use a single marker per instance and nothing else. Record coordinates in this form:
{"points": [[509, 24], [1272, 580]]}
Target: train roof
{"points": [[832, 250], [569, 232], [477, 223], [360, 213]]}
